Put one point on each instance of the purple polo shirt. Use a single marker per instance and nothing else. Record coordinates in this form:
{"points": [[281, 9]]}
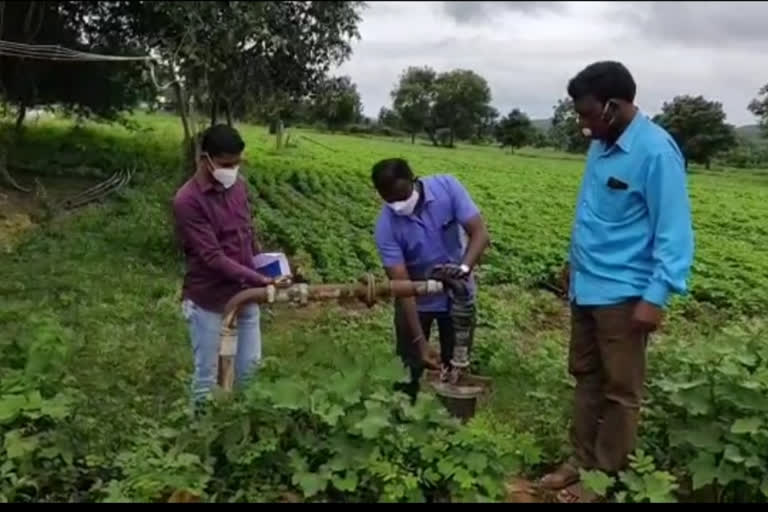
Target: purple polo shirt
{"points": [[214, 228], [432, 234]]}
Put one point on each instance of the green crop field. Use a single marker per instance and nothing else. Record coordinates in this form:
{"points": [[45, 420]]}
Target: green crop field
{"points": [[95, 361]]}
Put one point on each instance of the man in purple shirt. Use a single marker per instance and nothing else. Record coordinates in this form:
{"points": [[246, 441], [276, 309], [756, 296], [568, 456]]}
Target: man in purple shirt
{"points": [[424, 223], [213, 224]]}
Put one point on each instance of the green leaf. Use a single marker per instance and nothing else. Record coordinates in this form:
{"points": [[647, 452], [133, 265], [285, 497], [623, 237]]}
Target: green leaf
{"points": [[477, 462], [764, 487], [703, 437], [746, 425], [464, 478], [695, 400], [310, 483], [10, 407], [332, 414], [17, 446], [34, 401], [597, 481], [659, 486], [727, 473], [346, 484], [703, 470], [287, 394], [446, 467], [372, 424], [733, 454]]}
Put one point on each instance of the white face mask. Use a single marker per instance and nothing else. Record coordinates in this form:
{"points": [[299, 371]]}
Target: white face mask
{"points": [[227, 176], [407, 206]]}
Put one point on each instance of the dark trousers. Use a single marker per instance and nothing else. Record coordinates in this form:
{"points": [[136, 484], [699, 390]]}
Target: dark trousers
{"points": [[607, 358], [409, 352]]}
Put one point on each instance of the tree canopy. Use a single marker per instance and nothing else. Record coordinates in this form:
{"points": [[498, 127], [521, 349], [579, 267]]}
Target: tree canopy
{"points": [[759, 107], [698, 126], [565, 133], [515, 130]]}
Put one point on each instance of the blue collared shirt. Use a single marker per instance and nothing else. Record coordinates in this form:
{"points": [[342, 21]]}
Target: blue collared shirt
{"points": [[433, 234], [632, 236]]}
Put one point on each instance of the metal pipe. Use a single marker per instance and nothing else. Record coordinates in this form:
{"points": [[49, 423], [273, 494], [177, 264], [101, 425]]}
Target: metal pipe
{"points": [[463, 317], [367, 290]]}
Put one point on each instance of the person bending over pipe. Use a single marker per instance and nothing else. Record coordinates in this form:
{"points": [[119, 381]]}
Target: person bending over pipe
{"points": [[424, 223], [213, 225], [632, 245]]}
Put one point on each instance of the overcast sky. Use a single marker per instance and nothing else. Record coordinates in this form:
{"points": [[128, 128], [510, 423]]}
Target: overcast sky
{"points": [[528, 50]]}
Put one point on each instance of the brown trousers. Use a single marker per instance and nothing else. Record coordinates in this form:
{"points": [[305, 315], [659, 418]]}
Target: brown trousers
{"points": [[607, 358]]}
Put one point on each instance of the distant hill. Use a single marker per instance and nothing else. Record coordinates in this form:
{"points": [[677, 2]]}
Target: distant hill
{"points": [[542, 124], [748, 131]]}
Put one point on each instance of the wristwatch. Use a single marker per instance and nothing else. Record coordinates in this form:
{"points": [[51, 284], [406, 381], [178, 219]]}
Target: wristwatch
{"points": [[465, 269]]}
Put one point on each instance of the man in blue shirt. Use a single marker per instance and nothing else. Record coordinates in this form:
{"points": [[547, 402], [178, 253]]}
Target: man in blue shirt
{"points": [[631, 247], [423, 224]]}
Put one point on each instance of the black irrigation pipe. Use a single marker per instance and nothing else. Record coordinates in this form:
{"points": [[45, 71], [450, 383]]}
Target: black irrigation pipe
{"points": [[100, 191]]}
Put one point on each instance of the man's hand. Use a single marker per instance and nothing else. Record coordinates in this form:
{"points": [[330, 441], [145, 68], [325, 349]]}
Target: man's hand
{"points": [[646, 317], [451, 271], [282, 282], [427, 355]]}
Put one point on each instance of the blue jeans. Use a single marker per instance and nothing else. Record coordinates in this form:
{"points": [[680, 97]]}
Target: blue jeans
{"points": [[204, 331]]}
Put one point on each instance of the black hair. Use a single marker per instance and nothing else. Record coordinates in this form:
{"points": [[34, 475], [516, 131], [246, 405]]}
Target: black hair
{"points": [[221, 139], [603, 80], [386, 172]]}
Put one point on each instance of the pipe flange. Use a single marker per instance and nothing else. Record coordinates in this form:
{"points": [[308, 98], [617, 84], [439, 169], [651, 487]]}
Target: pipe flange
{"points": [[370, 290], [303, 293]]}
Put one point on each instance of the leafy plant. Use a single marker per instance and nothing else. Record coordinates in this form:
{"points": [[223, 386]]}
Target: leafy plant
{"points": [[640, 483], [712, 400]]}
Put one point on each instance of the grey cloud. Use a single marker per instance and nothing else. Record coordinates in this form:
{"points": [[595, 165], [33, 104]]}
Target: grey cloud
{"points": [[709, 24], [531, 72], [469, 12]]}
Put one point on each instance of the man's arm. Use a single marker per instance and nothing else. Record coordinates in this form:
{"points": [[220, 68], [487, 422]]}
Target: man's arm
{"points": [[196, 232], [394, 264], [468, 215], [479, 240], [669, 213]]}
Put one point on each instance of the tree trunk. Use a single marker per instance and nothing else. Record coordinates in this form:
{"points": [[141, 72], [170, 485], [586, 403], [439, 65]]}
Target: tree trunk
{"points": [[279, 134], [228, 113], [431, 135], [214, 112], [20, 118], [413, 138], [450, 140], [188, 152], [707, 164]]}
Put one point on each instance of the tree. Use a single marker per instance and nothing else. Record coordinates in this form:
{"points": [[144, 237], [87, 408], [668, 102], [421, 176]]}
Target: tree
{"points": [[413, 98], [540, 139], [698, 126], [236, 54], [759, 107], [487, 125], [87, 89], [337, 103], [565, 133], [389, 118], [462, 99], [515, 130]]}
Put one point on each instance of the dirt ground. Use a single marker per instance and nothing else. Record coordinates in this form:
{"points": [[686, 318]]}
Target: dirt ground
{"points": [[21, 211]]}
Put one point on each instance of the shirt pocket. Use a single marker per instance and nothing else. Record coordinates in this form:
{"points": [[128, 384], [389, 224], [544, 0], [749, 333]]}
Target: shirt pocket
{"points": [[612, 204]]}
